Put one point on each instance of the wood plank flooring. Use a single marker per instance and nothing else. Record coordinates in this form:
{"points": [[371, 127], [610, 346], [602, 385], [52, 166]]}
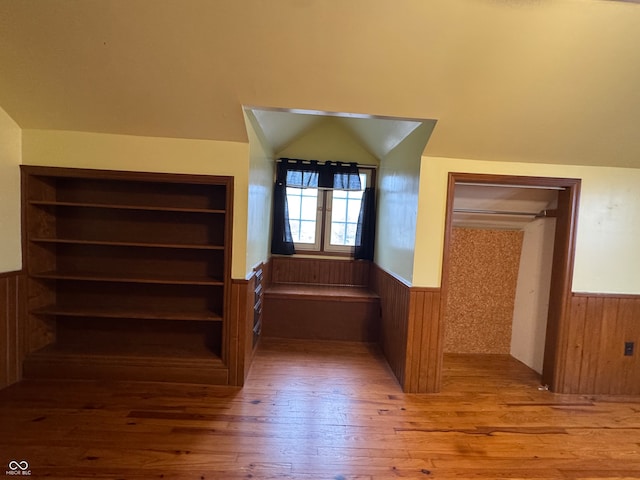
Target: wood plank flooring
{"points": [[321, 411]]}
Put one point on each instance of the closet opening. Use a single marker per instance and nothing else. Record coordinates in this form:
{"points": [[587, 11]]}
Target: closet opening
{"points": [[507, 267]]}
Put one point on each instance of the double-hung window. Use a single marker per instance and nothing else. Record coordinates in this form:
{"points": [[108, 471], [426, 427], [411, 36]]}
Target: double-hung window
{"points": [[325, 219]]}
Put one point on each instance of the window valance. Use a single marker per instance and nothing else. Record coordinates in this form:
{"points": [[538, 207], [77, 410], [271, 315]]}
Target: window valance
{"points": [[313, 174]]}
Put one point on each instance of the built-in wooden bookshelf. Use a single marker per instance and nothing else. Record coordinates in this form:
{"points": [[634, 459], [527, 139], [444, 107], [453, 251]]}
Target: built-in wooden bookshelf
{"points": [[128, 274]]}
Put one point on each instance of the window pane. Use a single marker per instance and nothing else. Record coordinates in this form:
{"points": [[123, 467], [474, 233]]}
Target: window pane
{"points": [[309, 208], [351, 234], [307, 232], [345, 211], [337, 233], [293, 202], [295, 229], [302, 204], [339, 194], [353, 209], [338, 210]]}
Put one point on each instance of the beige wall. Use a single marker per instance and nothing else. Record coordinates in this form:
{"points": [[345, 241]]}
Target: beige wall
{"points": [[607, 255], [261, 176], [10, 158], [124, 152], [328, 141], [531, 306]]}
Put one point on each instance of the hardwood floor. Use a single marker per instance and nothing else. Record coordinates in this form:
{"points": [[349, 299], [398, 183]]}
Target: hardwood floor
{"points": [[321, 411]]}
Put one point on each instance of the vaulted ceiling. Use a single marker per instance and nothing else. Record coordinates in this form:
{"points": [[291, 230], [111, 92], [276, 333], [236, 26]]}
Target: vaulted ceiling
{"points": [[512, 80]]}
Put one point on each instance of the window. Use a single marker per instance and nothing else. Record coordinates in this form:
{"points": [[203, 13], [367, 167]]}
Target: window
{"points": [[325, 220]]}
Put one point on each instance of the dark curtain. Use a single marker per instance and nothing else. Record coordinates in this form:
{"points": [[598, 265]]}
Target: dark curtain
{"points": [[281, 239], [366, 232]]}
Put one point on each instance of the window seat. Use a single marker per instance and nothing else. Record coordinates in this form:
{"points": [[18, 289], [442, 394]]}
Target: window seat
{"points": [[296, 307], [333, 293]]}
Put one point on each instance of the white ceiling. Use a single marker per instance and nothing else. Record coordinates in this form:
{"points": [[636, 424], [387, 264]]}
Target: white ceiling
{"points": [[507, 80]]}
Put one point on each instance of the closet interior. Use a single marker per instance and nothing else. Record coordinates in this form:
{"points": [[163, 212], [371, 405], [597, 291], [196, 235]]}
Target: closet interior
{"points": [[500, 259]]}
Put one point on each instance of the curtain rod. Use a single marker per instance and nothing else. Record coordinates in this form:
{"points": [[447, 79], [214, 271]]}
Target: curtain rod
{"points": [[508, 185], [363, 165]]}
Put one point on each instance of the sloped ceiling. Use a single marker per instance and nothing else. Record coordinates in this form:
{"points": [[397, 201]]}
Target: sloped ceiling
{"points": [[513, 80]]}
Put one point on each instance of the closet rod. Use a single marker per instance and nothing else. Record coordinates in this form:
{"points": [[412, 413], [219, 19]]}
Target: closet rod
{"points": [[543, 213], [539, 187]]}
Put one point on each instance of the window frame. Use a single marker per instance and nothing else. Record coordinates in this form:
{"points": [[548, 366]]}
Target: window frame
{"points": [[322, 245]]}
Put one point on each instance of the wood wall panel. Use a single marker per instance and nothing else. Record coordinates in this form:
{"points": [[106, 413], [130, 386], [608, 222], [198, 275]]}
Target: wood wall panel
{"points": [[319, 271], [424, 343], [410, 331], [241, 348], [238, 330], [12, 334], [394, 305], [599, 326]]}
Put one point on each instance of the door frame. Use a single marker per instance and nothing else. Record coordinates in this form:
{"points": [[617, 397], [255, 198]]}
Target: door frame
{"points": [[556, 342]]}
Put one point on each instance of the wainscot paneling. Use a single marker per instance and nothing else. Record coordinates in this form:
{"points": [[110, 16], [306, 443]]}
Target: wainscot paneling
{"points": [[241, 330], [319, 271], [410, 334], [424, 341], [12, 337], [599, 327]]}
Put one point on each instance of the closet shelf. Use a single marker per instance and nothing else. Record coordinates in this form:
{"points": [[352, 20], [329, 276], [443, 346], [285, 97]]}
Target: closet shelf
{"points": [[112, 243], [50, 203], [124, 312], [131, 278]]}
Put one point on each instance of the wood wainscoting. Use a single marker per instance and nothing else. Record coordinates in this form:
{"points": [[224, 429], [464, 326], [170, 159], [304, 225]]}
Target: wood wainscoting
{"points": [[246, 297], [599, 327], [12, 343], [410, 334], [319, 271]]}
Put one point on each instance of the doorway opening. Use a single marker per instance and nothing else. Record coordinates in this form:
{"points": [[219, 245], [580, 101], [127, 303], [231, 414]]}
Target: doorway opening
{"points": [[507, 269]]}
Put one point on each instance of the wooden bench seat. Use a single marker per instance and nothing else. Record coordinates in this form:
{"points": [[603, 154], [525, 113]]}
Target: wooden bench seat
{"points": [[333, 293], [320, 299]]}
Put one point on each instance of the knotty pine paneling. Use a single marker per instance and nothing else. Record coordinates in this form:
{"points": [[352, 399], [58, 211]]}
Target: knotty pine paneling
{"points": [[410, 331], [483, 275], [599, 326], [319, 271], [12, 334]]}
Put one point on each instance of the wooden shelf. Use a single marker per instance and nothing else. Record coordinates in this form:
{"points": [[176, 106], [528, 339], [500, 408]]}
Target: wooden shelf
{"points": [[125, 278], [124, 350], [128, 275], [71, 241], [151, 363], [118, 312], [53, 203]]}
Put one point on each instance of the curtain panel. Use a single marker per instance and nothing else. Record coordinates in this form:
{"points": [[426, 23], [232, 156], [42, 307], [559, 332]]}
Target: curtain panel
{"points": [[281, 239], [366, 231]]}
